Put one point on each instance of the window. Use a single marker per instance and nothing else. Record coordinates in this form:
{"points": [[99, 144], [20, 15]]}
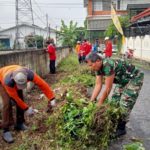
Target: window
{"points": [[118, 4], [97, 5], [106, 5]]}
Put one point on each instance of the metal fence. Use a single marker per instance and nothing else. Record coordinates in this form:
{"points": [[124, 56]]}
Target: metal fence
{"points": [[137, 31]]}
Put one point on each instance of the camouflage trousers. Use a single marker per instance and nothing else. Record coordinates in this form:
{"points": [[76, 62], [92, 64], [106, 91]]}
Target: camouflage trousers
{"points": [[127, 95]]}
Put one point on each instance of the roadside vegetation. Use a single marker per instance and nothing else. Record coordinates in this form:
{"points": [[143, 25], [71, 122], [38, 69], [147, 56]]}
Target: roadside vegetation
{"points": [[76, 123], [112, 32]]}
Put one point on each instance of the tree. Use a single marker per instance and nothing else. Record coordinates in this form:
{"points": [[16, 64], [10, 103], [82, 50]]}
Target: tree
{"points": [[81, 31], [68, 34], [39, 41], [113, 32], [34, 41]]}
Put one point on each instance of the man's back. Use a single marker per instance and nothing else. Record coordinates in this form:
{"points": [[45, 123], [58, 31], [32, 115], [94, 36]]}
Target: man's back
{"points": [[123, 70]]}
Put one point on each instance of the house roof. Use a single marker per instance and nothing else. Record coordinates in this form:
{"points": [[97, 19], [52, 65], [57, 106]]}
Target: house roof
{"points": [[28, 25], [141, 15]]}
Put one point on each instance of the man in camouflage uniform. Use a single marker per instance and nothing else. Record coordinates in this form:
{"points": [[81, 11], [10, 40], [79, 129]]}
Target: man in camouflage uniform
{"points": [[128, 80]]}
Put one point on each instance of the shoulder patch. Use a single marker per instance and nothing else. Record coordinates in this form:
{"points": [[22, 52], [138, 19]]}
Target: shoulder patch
{"points": [[9, 81], [30, 74]]}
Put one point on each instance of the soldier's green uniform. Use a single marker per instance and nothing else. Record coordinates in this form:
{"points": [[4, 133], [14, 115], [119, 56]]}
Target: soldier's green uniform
{"points": [[128, 81]]}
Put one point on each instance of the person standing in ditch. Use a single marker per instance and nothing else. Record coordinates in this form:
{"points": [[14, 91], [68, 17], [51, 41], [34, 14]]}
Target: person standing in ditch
{"points": [[13, 79], [128, 80], [51, 49]]}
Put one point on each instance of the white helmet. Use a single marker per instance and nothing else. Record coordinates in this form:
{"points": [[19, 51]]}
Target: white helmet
{"points": [[20, 79], [106, 38]]}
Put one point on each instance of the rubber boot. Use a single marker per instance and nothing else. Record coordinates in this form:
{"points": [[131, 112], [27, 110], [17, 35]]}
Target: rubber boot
{"points": [[121, 129], [7, 137], [21, 127]]}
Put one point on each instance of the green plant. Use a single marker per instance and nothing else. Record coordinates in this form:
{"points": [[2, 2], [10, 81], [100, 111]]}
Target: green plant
{"points": [[39, 41], [80, 124], [34, 41], [34, 127], [85, 79], [134, 146], [112, 31], [69, 64], [2, 46], [68, 34]]}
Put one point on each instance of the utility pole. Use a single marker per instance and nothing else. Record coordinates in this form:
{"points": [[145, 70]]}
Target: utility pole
{"points": [[56, 35], [49, 31], [47, 26], [16, 44], [24, 15]]}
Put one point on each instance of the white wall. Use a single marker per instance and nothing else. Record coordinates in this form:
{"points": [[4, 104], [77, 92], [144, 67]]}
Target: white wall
{"points": [[141, 44], [24, 31]]}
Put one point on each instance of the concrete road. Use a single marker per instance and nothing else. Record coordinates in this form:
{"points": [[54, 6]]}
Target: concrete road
{"points": [[139, 125]]}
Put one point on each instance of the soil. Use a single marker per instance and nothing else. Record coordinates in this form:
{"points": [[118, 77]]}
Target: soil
{"points": [[137, 128], [36, 124]]}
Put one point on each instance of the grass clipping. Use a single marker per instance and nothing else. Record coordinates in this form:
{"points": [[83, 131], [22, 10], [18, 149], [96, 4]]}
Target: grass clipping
{"points": [[79, 124]]}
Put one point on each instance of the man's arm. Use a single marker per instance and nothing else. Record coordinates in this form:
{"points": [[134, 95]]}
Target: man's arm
{"points": [[108, 86], [97, 88], [13, 94], [45, 88]]}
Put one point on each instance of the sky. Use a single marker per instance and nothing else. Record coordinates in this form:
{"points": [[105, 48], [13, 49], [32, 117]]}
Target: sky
{"points": [[55, 9]]}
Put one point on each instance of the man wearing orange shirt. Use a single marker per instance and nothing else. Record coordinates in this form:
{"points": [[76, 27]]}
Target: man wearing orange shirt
{"points": [[13, 79]]}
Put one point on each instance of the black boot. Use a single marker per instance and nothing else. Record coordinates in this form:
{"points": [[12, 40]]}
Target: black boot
{"points": [[20, 127], [121, 129]]}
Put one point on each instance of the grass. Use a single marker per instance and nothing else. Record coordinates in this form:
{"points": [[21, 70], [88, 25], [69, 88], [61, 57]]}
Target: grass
{"points": [[137, 62], [43, 132]]}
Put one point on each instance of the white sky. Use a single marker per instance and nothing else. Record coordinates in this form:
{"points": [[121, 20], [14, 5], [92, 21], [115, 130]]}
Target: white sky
{"points": [[56, 9]]}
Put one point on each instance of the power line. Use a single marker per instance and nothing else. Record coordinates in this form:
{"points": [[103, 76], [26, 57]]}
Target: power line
{"points": [[38, 6], [57, 5], [53, 5], [41, 19], [6, 2]]}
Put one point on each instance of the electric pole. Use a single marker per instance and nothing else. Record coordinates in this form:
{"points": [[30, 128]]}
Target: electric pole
{"points": [[56, 35], [47, 26], [49, 31], [24, 15]]}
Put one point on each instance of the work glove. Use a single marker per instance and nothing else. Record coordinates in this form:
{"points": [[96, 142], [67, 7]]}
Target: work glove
{"points": [[51, 104], [29, 112]]}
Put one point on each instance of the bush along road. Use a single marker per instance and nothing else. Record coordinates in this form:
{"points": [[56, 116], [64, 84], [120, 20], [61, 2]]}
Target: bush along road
{"points": [[73, 124]]}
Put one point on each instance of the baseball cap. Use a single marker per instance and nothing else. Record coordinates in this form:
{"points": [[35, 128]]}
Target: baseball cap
{"points": [[20, 79], [107, 38]]}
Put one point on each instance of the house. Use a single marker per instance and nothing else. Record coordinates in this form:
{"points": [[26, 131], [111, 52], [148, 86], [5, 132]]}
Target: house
{"points": [[138, 35], [140, 24], [134, 9], [99, 13], [8, 36]]}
